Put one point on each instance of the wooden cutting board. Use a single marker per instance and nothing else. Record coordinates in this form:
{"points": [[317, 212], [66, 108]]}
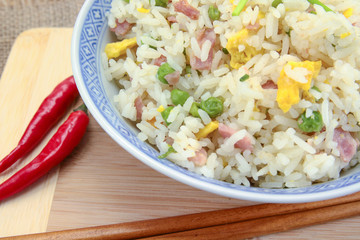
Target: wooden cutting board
{"points": [[99, 183]]}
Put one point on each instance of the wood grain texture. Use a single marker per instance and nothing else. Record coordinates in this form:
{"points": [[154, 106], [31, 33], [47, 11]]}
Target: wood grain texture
{"points": [[234, 223], [264, 226], [33, 69], [103, 184]]}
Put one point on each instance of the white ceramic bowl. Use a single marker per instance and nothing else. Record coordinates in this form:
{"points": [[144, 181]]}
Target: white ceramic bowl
{"points": [[89, 39]]}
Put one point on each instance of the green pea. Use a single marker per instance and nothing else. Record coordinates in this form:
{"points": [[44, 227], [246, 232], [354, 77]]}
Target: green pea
{"points": [[170, 150], [165, 114], [194, 109], [179, 97], [313, 123], [212, 106], [214, 13], [275, 3], [164, 70], [161, 3]]}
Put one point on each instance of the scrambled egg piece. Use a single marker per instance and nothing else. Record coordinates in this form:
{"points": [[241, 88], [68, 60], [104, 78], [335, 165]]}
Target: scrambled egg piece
{"points": [[348, 13], [116, 49], [209, 128], [261, 15], [143, 10], [160, 108], [344, 35], [240, 58], [289, 89]]}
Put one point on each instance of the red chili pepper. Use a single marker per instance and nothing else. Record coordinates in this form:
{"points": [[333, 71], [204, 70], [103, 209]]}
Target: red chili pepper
{"points": [[49, 113], [59, 146]]}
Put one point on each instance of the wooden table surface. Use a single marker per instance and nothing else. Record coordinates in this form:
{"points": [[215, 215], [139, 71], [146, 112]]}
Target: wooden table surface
{"points": [[99, 183]]}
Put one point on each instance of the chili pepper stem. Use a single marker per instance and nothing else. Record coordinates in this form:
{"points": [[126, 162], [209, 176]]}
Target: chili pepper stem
{"points": [[82, 107]]}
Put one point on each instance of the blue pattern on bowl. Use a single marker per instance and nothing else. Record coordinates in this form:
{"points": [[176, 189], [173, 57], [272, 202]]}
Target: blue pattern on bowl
{"points": [[93, 30]]}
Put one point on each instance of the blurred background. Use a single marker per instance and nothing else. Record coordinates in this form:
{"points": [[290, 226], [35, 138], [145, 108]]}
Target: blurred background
{"points": [[17, 16]]}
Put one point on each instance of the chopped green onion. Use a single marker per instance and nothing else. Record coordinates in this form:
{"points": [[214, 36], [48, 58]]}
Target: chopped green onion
{"points": [[317, 2], [161, 3], [225, 51], [170, 150], [126, 1], [244, 78], [239, 7], [289, 32], [275, 3], [214, 13], [316, 88]]}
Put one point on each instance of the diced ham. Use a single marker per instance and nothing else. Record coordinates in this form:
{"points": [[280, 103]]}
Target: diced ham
{"points": [[269, 85], [206, 34], [311, 9], [172, 19], [225, 131], [201, 37], [243, 144], [160, 60], [169, 140], [121, 29], [184, 7], [346, 144], [173, 78], [139, 106], [200, 157], [356, 24], [254, 26], [197, 64]]}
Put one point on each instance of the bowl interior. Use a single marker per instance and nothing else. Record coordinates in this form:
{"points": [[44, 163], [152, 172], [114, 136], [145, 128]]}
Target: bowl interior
{"points": [[89, 39]]}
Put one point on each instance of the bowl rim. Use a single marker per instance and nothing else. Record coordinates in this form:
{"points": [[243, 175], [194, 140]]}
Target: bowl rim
{"points": [[172, 173]]}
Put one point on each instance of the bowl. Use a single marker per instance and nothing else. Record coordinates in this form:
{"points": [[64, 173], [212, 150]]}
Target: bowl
{"points": [[90, 36]]}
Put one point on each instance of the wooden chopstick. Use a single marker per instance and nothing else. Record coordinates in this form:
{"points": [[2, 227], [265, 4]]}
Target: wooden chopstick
{"points": [[243, 222], [268, 225]]}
